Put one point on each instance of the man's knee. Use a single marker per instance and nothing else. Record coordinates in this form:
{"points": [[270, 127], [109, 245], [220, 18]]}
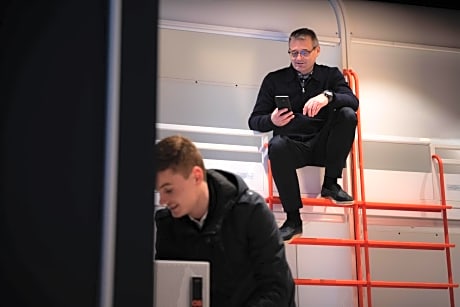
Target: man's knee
{"points": [[277, 147], [347, 115]]}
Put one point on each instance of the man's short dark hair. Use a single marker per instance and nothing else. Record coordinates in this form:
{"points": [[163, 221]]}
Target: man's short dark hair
{"points": [[302, 33]]}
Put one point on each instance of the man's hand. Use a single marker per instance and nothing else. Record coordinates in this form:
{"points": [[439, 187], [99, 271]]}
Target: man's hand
{"points": [[281, 117], [314, 104]]}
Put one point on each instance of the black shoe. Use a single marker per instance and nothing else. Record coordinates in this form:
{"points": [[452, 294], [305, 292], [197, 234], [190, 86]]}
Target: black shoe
{"points": [[289, 231], [336, 193]]}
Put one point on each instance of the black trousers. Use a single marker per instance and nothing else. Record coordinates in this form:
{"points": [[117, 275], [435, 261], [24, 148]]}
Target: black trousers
{"points": [[329, 149]]}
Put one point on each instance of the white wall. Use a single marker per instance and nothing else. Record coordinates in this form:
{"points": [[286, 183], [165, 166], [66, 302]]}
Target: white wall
{"points": [[407, 57]]}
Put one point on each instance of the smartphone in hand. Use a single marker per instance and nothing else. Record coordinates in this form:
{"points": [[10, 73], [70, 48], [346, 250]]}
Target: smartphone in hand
{"points": [[283, 102]]}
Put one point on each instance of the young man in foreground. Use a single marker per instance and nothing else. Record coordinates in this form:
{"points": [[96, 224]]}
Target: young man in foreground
{"points": [[211, 215]]}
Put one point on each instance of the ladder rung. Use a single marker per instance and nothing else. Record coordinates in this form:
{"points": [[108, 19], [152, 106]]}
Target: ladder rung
{"points": [[409, 245], [402, 206], [408, 284], [329, 282], [368, 205], [326, 241], [310, 202], [380, 284], [372, 243]]}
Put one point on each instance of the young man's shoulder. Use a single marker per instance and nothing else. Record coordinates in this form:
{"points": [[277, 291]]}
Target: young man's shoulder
{"points": [[251, 199]]}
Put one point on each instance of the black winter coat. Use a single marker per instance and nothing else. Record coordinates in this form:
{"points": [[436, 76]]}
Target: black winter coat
{"points": [[285, 81], [239, 238]]}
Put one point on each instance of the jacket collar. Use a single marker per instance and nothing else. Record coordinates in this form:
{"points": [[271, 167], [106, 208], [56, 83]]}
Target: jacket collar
{"points": [[294, 74]]}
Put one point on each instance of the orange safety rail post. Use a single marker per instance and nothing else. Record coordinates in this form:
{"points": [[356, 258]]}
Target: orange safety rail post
{"points": [[359, 270], [353, 82], [357, 158], [446, 228], [360, 166], [360, 142], [269, 199]]}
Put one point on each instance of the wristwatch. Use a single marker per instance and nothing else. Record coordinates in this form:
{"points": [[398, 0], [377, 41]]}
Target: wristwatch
{"points": [[329, 95]]}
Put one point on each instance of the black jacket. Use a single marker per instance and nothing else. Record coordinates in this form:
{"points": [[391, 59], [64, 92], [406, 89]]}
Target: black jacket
{"points": [[240, 239], [285, 81]]}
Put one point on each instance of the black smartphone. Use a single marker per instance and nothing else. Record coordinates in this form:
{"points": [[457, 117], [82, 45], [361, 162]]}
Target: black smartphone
{"points": [[283, 102]]}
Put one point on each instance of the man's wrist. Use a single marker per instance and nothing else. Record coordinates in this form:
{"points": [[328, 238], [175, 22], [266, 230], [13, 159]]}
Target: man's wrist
{"points": [[329, 95]]}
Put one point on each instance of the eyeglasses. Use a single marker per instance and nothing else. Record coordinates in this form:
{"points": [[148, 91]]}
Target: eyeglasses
{"points": [[303, 53]]}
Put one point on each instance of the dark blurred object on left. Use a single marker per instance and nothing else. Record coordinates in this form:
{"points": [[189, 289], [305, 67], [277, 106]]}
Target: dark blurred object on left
{"points": [[53, 84]]}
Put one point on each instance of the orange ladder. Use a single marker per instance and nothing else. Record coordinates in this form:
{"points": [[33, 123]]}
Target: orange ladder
{"points": [[359, 206]]}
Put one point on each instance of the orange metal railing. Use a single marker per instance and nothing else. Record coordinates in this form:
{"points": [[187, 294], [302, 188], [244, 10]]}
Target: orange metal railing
{"points": [[359, 206]]}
